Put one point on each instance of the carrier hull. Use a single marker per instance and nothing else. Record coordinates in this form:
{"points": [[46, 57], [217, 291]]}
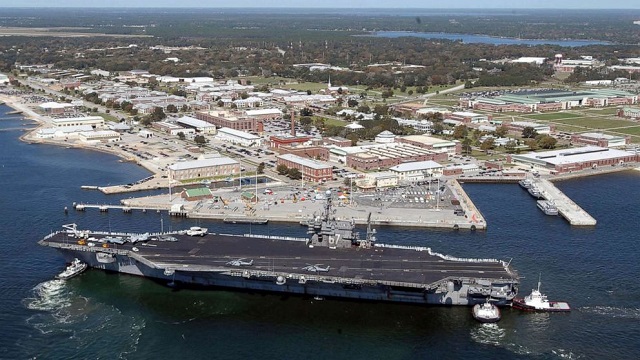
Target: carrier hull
{"points": [[381, 273]]}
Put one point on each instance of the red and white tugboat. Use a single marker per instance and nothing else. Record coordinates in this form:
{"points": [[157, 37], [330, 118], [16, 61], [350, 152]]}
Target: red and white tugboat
{"points": [[537, 301], [486, 312]]}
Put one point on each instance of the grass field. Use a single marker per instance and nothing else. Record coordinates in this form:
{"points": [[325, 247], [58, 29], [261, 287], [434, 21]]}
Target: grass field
{"points": [[552, 116], [595, 123], [108, 117], [635, 131], [602, 111]]}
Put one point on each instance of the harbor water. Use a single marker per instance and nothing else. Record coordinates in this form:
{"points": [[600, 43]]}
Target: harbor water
{"points": [[113, 316]]}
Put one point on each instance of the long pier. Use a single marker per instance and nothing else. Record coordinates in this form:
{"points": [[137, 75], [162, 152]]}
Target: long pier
{"points": [[566, 207]]}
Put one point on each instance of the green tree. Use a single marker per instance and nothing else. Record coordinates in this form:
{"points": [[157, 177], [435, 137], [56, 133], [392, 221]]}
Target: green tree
{"points": [[529, 132], [546, 142], [502, 131], [260, 168], [488, 144], [282, 169], [200, 140], [510, 146], [172, 109], [466, 146], [306, 112], [352, 103], [181, 135], [460, 132], [294, 174]]}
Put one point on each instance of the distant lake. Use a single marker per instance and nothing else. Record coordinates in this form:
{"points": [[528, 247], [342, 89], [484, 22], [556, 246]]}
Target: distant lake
{"points": [[485, 39]]}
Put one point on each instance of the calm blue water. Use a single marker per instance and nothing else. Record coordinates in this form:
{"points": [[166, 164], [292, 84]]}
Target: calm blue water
{"points": [[485, 39], [108, 316]]}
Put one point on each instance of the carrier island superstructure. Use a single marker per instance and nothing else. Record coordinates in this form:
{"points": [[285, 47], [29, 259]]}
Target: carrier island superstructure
{"points": [[332, 262]]}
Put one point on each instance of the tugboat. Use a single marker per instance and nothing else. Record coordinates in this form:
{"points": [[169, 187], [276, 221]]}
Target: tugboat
{"points": [[486, 312], [536, 301], [75, 268]]}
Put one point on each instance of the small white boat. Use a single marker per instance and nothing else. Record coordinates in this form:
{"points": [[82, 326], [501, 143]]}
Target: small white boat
{"points": [[486, 312], [75, 268]]}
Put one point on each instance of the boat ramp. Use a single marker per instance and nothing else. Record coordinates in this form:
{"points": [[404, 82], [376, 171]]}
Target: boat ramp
{"points": [[566, 207]]}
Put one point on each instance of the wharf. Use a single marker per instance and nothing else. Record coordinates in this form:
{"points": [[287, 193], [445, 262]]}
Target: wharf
{"points": [[124, 208], [566, 207]]}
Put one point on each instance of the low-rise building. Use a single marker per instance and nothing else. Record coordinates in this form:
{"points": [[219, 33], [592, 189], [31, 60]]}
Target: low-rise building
{"points": [[229, 120], [417, 171], [377, 180], [93, 121], [629, 112], [264, 114], [99, 136], [239, 137], [575, 159], [519, 126], [196, 124], [311, 170], [600, 139], [207, 168], [432, 143]]}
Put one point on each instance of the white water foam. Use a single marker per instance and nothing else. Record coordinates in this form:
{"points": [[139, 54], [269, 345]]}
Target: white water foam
{"points": [[488, 334], [613, 311]]}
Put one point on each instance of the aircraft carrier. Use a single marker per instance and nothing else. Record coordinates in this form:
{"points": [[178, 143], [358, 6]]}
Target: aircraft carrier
{"points": [[332, 262]]}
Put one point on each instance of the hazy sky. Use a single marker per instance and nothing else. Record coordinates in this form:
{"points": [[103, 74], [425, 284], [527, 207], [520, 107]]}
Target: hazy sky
{"points": [[566, 4]]}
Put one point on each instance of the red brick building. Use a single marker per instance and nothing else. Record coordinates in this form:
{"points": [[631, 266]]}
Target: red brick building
{"points": [[311, 170]]}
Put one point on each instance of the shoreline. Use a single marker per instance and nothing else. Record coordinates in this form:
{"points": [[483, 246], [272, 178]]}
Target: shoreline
{"points": [[409, 217]]}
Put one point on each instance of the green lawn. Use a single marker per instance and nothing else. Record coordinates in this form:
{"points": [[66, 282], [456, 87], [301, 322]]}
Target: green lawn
{"points": [[595, 123], [552, 116], [635, 131], [603, 111]]}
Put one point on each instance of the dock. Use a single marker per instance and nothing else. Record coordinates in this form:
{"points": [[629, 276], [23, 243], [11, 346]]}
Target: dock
{"points": [[566, 207]]}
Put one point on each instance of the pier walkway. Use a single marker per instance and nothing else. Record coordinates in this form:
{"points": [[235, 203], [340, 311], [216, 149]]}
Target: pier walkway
{"points": [[566, 207]]}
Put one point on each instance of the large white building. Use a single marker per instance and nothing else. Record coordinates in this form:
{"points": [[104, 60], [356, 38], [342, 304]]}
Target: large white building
{"points": [[93, 121], [206, 168], [199, 125], [417, 170], [239, 137], [575, 159]]}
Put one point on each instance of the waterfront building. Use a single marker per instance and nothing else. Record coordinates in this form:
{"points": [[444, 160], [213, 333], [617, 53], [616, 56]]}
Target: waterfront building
{"points": [[99, 136], [93, 121], [206, 168], [575, 159], [311, 170], [239, 137], [417, 171], [377, 180], [62, 132]]}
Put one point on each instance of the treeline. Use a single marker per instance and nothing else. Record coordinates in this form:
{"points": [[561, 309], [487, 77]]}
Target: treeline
{"points": [[513, 75]]}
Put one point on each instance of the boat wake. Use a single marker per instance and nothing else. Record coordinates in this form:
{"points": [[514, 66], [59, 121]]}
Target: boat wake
{"points": [[612, 311], [488, 334], [82, 323]]}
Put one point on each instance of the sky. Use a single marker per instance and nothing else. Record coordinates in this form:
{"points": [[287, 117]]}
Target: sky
{"points": [[449, 4]]}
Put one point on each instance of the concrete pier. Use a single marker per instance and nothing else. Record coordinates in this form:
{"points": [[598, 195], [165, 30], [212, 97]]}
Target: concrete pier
{"points": [[566, 207]]}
